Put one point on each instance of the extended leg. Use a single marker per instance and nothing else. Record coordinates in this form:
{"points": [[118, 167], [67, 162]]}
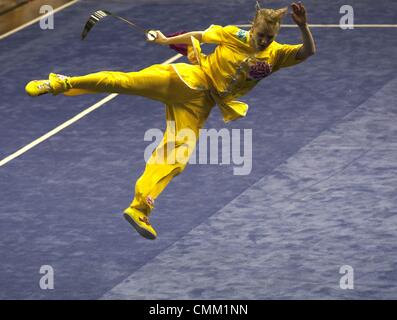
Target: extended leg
{"points": [[152, 82]]}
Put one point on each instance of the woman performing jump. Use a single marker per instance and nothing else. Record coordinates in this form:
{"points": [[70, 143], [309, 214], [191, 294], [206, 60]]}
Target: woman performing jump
{"points": [[189, 91]]}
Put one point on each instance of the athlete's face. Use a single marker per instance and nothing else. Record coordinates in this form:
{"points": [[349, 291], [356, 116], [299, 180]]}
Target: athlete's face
{"points": [[263, 35]]}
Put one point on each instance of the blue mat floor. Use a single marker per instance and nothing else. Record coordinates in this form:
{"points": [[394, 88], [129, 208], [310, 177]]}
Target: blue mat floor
{"points": [[321, 193]]}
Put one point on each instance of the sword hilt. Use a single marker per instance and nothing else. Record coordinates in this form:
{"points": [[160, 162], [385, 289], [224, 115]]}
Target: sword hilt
{"points": [[151, 35]]}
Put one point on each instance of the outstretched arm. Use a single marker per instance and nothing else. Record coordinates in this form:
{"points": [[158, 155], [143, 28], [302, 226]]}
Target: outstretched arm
{"points": [[179, 39], [300, 18]]}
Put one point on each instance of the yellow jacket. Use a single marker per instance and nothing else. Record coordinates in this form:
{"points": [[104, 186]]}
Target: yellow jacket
{"points": [[234, 68]]}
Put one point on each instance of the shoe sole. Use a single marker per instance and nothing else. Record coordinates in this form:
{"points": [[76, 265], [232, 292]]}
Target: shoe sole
{"points": [[37, 95], [143, 232]]}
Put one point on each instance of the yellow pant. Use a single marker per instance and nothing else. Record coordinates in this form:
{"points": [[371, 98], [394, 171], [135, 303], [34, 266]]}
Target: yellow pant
{"points": [[185, 108]]}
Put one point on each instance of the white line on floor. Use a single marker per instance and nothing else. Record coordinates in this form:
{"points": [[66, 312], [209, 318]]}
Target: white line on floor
{"points": [[69, 122], [332, 25]]}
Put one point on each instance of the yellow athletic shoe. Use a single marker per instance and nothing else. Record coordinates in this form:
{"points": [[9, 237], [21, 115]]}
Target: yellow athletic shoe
{"points": [[38, 87], [56, 83], [140, 222], [59, 83]]}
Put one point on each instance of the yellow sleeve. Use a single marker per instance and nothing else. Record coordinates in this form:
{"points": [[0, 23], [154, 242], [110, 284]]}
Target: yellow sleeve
{"points": [[287, 55], [218, 34]]}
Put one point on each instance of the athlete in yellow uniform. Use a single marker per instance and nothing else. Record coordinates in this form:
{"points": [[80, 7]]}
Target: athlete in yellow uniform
{"points": [[189, 91]]}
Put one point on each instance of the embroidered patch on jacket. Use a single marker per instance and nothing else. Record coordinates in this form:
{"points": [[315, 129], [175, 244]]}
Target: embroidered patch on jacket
{"points": [[242, 35], [259, 70]]}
